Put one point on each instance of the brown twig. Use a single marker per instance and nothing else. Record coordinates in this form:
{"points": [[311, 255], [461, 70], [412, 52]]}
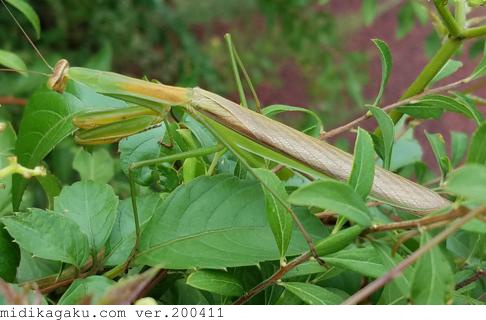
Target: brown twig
{"points": [[355, 122], [397, 270], [13, 101], [475, 277], [417, 223], [274, 278]]}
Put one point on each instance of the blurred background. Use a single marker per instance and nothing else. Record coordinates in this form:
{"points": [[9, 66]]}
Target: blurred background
{"points": [[315, 54]]}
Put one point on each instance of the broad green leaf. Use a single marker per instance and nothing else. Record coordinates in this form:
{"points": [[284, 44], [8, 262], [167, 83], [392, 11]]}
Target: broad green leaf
{"points": [[7, 146], [278, 216], [437, 143], [216, 281], [433, 280], [397, 290], [305, 269], [49, 235], [459, 144], [469, 182], [457, 105], [406, 20], [363, 172], [47, 120], [10, 257], [335, 196], [216, 222], [406, 151], [476, 226], [92, 206], [86, 290], [312, 294], [33, 268], [29, 13], [480, 69], [384, 142], [448, 69], [12, 61], [122, 237], [368, 9], [314, 129], [477, 150], [386, 65], [139, 147], [364, 261], [97, 166]]}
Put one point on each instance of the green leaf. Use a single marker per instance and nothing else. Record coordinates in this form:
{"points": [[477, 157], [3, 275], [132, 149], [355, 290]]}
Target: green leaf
{"points": [[384, 142], [216, 222], [338, 241], [49, 235], [140, 147], [29, 13], [405, 20], [421, 12], [433, 280], [216, 281], [312, 294], [368, 9], [33, 268], [448, 69], [422, 111], [437, 143], [51, 186], [122, 237], [92, 206], [278, 216], [397, 290], [459, 144], [335, 196], [97, 166], [457, 105], [363, 172], [47, 120], [364, 261], [86, 290], [12, 61], [406, 151], [469, 182], [477, 150], [10, 257], [314, 129], [386, 65], [7, 146], [480, 69]]}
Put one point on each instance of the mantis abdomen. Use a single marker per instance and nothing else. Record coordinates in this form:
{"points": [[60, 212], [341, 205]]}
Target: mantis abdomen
{"points": [[319, 155]]}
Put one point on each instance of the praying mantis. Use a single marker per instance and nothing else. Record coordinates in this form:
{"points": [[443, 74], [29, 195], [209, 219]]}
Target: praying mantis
{"points": [[239, 129]]}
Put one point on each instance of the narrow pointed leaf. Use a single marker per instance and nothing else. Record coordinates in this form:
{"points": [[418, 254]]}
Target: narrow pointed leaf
{"points": [[216, 281], [12, 61], [477, 150], [29, 13], [384, 142], [312, 294], [386, 65], [362, 174]]}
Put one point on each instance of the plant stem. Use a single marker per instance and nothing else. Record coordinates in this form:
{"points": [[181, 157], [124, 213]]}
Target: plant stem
{"points": [[397, 270], [446, 16], [475, 277], [474, 32]]}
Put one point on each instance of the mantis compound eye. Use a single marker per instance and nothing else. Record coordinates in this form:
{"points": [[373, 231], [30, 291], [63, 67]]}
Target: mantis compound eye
{"points": [[57, 81]]}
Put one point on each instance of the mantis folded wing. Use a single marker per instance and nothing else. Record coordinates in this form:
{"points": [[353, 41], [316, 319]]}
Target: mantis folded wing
{"points": [[253, 132]]}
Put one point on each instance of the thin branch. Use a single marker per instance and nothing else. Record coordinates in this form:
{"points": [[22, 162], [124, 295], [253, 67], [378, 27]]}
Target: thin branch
{"points": [[351, 125], [475, 277], [446, 16], [411, 259], [417, 223], [274, 278]]}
